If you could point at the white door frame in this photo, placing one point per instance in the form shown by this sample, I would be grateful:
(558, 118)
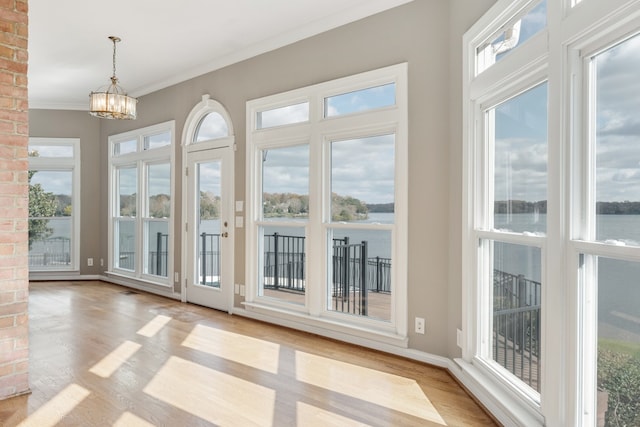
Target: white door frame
(190, 129)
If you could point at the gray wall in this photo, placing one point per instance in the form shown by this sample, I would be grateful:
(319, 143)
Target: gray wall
(422, 33)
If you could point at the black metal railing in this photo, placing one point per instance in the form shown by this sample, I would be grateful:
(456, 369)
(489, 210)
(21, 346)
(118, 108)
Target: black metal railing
(209, 259)
(516, 325)
(349, 293)
(354, 273)
(157, 259)
(55, 251)
(284, 262)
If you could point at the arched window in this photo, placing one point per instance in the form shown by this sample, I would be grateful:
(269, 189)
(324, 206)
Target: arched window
(208, 121)
(211, 126)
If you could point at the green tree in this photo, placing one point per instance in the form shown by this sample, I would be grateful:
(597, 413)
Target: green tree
(42, 204)
(209, 205)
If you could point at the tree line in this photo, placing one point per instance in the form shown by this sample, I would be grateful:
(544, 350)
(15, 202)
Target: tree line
(602, 208)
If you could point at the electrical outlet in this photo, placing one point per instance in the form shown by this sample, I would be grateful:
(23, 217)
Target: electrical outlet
(419, 325)
(241, 290)
(459, 337)
(236, 288)
(90, 262)
(101, 262)
(176, 277)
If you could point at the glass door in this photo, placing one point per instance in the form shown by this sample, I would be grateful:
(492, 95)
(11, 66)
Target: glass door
(209, 230)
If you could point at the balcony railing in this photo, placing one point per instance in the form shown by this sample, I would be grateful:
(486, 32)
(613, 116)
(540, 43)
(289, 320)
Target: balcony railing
(516, 326)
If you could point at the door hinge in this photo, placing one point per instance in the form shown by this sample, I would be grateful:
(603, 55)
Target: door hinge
(186, 171)
(186, 227)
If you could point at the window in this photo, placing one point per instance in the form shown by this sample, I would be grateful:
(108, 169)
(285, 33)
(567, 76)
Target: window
(510, 237)
(328, 178)
(550, 248)
(527, 23)
(285, 214)
(287, 115)
(612, 257)
(141, 203)
(53, 204)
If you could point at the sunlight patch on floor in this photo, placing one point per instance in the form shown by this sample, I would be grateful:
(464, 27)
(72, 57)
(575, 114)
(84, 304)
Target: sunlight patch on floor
(309, 415)
(253, 352)
(129, 420)
(387, 390)
(52, 412)
(154, 326)
(216, 397)
(112, 361)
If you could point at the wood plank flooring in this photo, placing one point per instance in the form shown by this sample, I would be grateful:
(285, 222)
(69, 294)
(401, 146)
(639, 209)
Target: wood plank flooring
(104, 355)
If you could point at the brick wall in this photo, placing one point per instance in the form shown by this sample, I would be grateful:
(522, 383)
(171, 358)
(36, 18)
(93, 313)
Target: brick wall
(14, 204)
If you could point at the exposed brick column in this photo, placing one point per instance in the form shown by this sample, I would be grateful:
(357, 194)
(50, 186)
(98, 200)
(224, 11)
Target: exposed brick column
(14, 204)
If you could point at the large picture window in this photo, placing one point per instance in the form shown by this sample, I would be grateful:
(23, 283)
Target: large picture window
(551, 211)
(328, 178)
(141, 203)
(53, 204)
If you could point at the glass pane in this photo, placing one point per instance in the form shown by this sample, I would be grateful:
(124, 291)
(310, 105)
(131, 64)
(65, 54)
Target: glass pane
(127, 198)
(50, 193)
(125, 147)
(360, 273)
(618, 392)
(157, 245)
(212, 126)
(360, 100)
(363, 179)
(285, 183)
(516, 298)
(520, 164)
(617, 171)
(49, 243)
(209, 188)
(288, 115)
(125, 250)
(159, 190)
(157, 141)
(49, 151)
(283, 264)
(511, 36)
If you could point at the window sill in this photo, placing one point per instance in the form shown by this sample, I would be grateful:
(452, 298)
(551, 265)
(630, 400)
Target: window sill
(508, 407)
(330, 328)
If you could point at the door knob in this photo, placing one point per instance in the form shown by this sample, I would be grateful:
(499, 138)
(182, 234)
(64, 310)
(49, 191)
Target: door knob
(225, 234)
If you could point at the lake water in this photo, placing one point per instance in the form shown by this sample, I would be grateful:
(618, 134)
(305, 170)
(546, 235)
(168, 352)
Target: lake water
(618, 281)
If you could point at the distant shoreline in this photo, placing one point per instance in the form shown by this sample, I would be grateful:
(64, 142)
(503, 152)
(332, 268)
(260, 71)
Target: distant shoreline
(602, 208)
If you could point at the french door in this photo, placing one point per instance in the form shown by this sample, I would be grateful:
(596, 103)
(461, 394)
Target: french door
(209, 228)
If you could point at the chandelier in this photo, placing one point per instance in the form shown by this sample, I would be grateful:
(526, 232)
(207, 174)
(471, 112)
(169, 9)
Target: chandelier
(111, 101)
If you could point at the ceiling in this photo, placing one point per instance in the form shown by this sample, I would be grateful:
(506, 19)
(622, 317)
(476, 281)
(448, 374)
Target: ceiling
(163, 42)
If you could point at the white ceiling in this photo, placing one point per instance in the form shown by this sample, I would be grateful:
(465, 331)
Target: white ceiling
(163, 41)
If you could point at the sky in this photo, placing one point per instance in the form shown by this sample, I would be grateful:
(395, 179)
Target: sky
(521, 125)
(362, 167)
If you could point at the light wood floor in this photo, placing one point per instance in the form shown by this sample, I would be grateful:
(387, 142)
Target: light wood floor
(103, 355)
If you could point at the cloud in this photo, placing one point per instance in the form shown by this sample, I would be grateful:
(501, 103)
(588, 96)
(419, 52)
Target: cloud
(617, 122)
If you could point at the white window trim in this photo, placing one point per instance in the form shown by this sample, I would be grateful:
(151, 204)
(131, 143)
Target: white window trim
(195, 116)
(568, 314)
(139, 159)
(54, 163)
(321, 131)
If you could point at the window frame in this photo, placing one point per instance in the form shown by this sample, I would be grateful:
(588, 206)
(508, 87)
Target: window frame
(318, 133)
(569, 320)
(140, 160)
(62, 164)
